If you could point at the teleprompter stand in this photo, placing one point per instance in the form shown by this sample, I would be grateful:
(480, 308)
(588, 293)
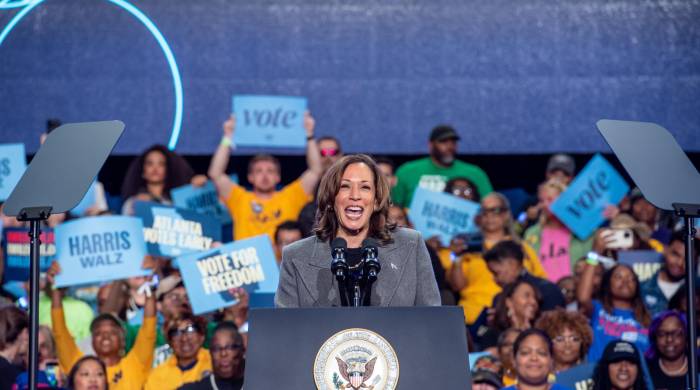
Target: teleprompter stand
(668, 180)
(55, 181)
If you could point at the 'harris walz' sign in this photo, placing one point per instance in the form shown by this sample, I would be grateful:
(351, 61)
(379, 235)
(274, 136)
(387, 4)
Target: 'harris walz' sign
(98, 249)
(209, 276)
(16, 248)
(441, 214)
(174, 232)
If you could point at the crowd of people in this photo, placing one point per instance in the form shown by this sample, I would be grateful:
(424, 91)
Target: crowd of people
(538, 301)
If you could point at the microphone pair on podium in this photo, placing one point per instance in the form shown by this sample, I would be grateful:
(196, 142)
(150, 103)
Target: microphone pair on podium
(369, 269)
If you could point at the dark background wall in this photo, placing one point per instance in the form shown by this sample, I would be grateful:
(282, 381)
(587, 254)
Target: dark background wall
(514, 76)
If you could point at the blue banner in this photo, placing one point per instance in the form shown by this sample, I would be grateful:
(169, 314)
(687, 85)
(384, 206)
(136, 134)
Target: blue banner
(269, 121)
(12, 165)
(577, 377)
(442, 214)
(15, 245)
(99, 249)
(172, 232)
(209, 276)
(645, 263)
(581, 206)
(203, 200)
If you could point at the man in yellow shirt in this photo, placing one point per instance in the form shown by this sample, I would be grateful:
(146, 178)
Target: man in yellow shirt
(261, 210)
(123, 372)
(190, 362)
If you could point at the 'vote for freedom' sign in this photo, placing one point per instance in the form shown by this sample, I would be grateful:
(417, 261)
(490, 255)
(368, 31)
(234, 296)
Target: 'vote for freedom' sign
(173, 232)
(16, 248)
(98, 249)
(12, 165)
(276, 121)
(209, 276)
(581, 206)
(203, 200)
(441, 214)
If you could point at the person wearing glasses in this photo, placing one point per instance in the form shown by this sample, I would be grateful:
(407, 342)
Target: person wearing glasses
(571, 336)
(667, 356)
(260, 211)
(472, 279)
(190, 361)
(227, 356)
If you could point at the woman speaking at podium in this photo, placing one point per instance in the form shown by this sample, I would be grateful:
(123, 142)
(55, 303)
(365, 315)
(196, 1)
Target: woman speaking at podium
(353, 204)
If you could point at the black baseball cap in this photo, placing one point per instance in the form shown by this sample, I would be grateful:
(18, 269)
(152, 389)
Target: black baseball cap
(619, 350)
(444, 132)
(481, 375)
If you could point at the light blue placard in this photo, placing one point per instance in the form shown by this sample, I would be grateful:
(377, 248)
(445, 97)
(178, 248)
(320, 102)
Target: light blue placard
(203, 200)
(208, 276)
(99, 249)
(441, 214)
(581, 206)
(269, 121)
(87, 201)
(12, 165)
(172, 232)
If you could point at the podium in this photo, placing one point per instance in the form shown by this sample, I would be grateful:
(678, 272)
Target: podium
(355, 348)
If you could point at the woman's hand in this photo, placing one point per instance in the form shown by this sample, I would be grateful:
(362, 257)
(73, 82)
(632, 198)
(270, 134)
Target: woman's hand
(199, 180)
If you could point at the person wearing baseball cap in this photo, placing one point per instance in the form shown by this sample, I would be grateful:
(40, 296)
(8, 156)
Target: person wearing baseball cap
(561, 167)
(619, 368)
(434, 171)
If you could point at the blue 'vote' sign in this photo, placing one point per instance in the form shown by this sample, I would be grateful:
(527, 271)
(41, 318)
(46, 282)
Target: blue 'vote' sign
(98, 249)
(12, 165)
(269, 121)
(209, 276)
(581, 206)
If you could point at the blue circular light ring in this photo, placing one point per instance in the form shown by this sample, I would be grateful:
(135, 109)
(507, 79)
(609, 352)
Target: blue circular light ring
(177, 81)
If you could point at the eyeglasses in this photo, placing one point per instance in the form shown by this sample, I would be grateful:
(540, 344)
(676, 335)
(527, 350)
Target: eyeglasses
(330, 152)
(229, 347)
(674, 334)
(493, 211)
(570, 338)
(176, 332)
(466, 192)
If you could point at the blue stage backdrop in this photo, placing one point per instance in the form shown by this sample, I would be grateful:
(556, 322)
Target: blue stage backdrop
(514, 76)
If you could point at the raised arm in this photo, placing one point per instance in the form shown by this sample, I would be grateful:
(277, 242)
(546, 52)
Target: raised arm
(219, 162)
(66, 348)
(584, 291)
(314, 169)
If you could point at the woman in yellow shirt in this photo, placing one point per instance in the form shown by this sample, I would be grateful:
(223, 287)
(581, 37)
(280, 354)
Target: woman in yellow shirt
(472, 279)
(123, 371)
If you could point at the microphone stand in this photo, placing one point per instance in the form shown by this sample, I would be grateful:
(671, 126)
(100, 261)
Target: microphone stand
(339, 268)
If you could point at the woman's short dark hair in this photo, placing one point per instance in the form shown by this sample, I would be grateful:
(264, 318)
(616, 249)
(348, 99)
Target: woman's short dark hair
(177, 172)
(327, 223)
(79, 363)
(12, 322)
(501, 320)
(532, 332)
(198, 322)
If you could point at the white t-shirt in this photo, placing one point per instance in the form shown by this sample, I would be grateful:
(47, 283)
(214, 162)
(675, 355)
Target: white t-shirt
(669, 288)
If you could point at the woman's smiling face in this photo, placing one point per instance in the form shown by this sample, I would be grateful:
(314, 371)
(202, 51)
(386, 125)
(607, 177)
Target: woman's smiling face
(356, 199)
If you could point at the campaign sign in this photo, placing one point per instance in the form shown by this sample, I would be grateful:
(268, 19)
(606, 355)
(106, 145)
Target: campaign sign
(581, 206)
(577, 377)
(209, 276)
(88, 201)
(16, 248)
(441, 214)
(203, 200)
(645, 263)
(12, 165)
(270, 121)
(172, 232)
(99, 249)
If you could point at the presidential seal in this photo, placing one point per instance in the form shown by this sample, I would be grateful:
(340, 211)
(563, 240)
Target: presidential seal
(356, 359)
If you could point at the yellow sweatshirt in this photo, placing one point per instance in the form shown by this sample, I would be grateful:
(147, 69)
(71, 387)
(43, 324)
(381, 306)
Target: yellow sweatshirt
(168, 375)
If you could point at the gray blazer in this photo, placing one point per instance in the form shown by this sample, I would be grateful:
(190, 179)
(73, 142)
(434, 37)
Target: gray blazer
(406, 278)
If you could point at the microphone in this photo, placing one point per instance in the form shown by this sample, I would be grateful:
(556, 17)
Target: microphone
(369, 256)
(339, 267)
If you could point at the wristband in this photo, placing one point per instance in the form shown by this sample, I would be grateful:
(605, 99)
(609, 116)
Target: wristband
(454, 257)
(592, 259)
(309, 138)
(226, 141)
